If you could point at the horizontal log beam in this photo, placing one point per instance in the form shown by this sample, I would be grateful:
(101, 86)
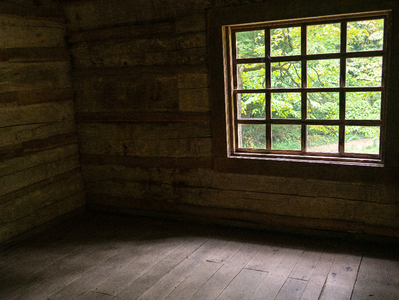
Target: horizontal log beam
(34, 54)
(121, 32)
(32, 12)
(315, 170)
(14, 182)
(40, 113)
(29, 97)
(25, 148)
(16, 135)
(34, 75)
(277, 204)
(38, 199)
(128, 93)
(208, 178)
(24, 191)
(128, 204)
(124, 71)
(106, 117)
(253, 220)
(30, 160)
(205, 199)
(51, 142)
(43, 216)
(147, 162)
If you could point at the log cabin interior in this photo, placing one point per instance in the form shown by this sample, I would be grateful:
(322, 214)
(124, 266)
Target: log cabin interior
(121, 176)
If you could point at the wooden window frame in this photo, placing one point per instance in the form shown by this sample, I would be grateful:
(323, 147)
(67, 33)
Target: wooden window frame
(304, 58)
(225, 157)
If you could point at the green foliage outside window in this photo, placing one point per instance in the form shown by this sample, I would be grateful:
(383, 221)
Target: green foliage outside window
(321, 39)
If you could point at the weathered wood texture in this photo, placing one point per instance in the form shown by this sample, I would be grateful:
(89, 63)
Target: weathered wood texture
(47, 10)
(34, 96)
(271, 201)
(40, 177)
(100, 256)
(147, 139)
(141, 76)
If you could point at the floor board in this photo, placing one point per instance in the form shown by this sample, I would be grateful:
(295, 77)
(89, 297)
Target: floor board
(341, 278)
(319, 276)
(286, 259)
(243, 285)
(102, 256)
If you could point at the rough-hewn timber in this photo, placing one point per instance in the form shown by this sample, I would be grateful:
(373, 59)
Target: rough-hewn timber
(40, 177)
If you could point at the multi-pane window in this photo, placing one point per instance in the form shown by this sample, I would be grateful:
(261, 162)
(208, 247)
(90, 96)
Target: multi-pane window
(309, 88)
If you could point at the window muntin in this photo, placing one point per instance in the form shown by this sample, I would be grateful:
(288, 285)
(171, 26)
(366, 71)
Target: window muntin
(309, 89)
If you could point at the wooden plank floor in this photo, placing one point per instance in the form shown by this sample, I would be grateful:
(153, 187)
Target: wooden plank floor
(101, 256)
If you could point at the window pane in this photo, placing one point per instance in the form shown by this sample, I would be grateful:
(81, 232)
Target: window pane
(322, 138)
(250, 44)
(363, 106)
(286, 137)
(323, 73)
(286, 74)
(285, 41)
(251, 76)
(251, 105)
(364, 71)
(252, 136)
(365, 35)
(286, 105)
(362, 139)
(323, 106)
(325, 38)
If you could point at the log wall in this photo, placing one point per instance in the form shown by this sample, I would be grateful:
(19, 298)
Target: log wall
(141, 76)
(40, 176)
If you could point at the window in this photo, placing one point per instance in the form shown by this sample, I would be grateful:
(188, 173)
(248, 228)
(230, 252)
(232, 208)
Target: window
(308, 89)
(321, 111)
